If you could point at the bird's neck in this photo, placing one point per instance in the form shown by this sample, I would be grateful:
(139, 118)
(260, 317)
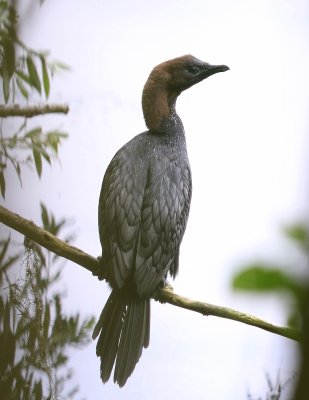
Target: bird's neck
(159, 107)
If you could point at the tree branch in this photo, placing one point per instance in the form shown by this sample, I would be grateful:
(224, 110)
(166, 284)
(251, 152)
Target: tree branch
(15, 110)
(166, 295)
(47, 240)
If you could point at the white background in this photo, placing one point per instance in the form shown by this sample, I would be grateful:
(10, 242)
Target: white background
(247, 137)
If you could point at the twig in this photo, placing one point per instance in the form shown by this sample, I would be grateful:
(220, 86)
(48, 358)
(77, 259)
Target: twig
(57, 246)
(168, 296)
(16, 110)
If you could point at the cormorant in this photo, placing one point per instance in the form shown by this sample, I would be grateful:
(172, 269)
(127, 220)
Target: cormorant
(143, 211)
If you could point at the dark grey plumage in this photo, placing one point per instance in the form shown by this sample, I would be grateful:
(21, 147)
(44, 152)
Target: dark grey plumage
(143, 211)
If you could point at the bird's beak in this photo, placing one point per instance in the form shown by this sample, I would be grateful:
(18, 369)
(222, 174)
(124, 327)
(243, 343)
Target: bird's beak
(213, 69)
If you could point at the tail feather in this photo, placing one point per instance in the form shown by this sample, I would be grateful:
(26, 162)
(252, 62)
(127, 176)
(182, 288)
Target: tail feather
(146, 328)
(110, 325)
(129, 349)
(125, 328)
(110, 344)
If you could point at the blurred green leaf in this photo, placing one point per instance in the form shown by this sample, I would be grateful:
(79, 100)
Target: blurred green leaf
(8, 347)
(23, 77)
(46, 156)
(38, 392)
(33, 74)
(294, 319)
(46, 323)
(299, 233)
(34, 133)
(18, 171)
(54, 138)
(261, 278)
(8, 53)
(38, 161)
(4, 244)
(6, 83)
(45, 76)
(22, 88)
(56, 66)
(44, 216)
(2, 184)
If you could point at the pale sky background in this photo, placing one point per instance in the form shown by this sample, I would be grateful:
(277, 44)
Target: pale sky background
(247, 137)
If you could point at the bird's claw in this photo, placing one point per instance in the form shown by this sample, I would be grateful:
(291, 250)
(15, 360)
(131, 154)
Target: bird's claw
(168, 286)
(99, 271)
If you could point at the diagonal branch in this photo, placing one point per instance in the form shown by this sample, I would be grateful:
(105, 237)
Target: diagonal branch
(52, 243)
(16, 110)
(168, 296)
(48, 240)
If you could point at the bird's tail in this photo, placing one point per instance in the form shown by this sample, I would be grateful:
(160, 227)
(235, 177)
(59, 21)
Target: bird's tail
(125, 326)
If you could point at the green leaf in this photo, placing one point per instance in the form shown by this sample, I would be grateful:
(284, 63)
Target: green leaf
(8, 340)
(53, 141)
(46, 322)
(295, 319)
(62, 135)
(2, 184)
(33, 74)
(263, 278)
(45, 76)
(44, 216)
(4, 244)
(57, 65)
(38, 391)
(24, 77)
(12, 142)
(22, 88)
(18, 171)
(299, 233)
(54, 138)
(6, 83)
(9, 54)
(38, 161)
(34, 133)
(46, 156)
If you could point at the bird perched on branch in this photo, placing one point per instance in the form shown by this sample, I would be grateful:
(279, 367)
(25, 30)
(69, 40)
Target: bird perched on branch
(143, 211)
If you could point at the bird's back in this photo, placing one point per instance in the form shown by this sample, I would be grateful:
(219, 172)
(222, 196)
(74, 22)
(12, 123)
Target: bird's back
(143, 210)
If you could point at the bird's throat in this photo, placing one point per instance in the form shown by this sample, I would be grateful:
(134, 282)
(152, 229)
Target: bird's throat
(158, 106)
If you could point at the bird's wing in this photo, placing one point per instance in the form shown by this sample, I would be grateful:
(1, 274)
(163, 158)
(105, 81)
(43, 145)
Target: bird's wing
(164, 216)
(143, 211)
(120, 206)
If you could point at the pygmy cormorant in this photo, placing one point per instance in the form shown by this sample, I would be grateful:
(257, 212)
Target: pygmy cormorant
(143, 211)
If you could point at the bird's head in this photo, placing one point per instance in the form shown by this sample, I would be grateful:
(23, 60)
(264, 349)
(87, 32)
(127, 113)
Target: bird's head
(165, 83)
(183, 72)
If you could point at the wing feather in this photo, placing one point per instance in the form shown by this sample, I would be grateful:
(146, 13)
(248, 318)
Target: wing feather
(163, 220)
(143, 210)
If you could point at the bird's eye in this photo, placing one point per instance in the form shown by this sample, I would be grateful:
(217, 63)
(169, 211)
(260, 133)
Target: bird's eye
(193, 69)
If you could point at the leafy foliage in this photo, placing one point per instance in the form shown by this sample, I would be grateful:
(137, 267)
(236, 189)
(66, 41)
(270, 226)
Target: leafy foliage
(24, 71)
(35, 334)
(271, 277)
(34, 144)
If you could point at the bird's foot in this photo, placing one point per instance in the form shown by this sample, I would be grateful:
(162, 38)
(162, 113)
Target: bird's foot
(99, 271)
(163, 285)
(168, 286)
